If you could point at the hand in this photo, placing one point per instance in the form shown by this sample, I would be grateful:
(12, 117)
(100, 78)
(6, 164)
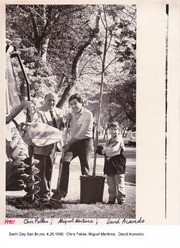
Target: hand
(103, 152)
(95, 143)
(66, 147)
(100, 150)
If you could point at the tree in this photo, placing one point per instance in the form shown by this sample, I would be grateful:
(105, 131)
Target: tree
(62, 47)
(59, 34)
(118, 36)
(37, 24)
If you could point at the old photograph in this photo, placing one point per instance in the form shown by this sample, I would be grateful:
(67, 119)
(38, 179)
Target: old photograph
(71, 111)
(89, 121)
(89, 127)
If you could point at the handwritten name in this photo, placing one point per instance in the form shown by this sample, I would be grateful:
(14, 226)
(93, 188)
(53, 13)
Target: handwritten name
(60, 221)
(125, 221)
(36, 221)
(75, 220)
(78, 221)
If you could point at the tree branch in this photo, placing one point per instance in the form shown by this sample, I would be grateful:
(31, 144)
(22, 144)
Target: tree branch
(89, 73)
(111, 62)
(36, 35)
(109, 43)
(25, 33)
(72, 11)
(80, 73)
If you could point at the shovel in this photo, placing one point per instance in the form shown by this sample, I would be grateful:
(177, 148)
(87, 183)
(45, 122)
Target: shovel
(57, 194)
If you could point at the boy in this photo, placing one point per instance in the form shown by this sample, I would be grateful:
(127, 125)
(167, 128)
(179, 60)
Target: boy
(115, 164)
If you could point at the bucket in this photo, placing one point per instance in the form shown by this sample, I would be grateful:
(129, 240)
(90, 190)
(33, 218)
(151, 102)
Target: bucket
(92, 188)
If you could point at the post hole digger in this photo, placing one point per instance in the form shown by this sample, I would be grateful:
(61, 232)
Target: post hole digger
(23, 132)
(33, 134)
(20, 165)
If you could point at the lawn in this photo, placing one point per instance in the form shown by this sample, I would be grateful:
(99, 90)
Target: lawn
(71, 206)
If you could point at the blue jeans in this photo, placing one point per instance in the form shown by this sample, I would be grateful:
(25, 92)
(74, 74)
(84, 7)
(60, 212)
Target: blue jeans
(81, 149)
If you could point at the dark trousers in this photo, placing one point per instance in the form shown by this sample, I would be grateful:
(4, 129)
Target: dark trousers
(43, 187)
(48, 172)
(82, 149)
(45, 173)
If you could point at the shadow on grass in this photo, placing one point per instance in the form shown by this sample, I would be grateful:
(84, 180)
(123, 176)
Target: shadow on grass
(130, 176)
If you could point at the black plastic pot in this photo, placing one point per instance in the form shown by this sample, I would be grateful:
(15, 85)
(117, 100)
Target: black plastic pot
(92, 188)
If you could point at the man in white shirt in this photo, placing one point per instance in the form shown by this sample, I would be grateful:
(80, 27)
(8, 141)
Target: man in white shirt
(52, 116)
(80, 144)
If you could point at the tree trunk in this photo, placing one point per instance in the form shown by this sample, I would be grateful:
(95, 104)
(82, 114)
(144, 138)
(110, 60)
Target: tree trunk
(64, 96)
(41, 40)
(44, 48)
(75, 61)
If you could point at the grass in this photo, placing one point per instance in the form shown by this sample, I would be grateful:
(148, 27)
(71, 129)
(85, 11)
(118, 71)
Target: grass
(74, 209)
(71, 206)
